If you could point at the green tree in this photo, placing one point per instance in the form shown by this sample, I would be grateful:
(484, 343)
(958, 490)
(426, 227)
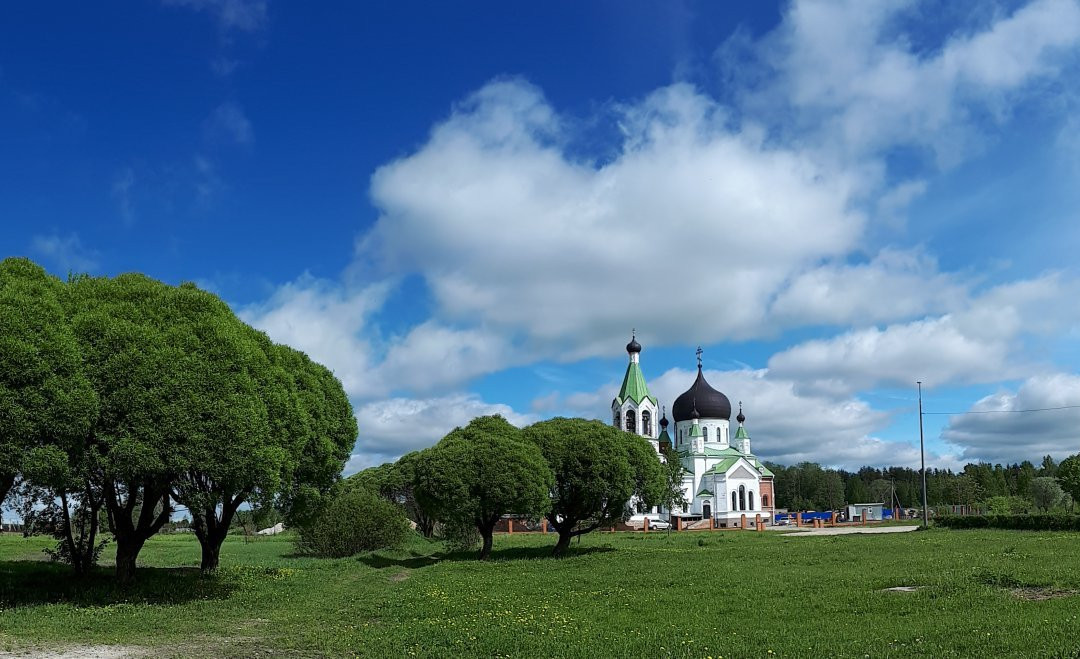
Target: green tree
(249, 430)
(1048, 466)
(332, 432)
(598, 469)
(45, 398)
(481, 472)
(1068, 473)
(831, 495)
(856, 491)
(394, 482)
(672, 495)
(1047, 493)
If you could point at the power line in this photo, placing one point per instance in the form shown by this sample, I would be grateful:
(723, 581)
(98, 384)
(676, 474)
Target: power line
(1034, 409)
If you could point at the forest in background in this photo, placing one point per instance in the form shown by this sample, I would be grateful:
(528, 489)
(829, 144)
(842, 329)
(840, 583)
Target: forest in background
(1015, 488)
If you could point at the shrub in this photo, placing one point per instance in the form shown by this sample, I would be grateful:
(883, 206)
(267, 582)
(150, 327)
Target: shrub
(459, 535)
(351, 523)
(1013, 522)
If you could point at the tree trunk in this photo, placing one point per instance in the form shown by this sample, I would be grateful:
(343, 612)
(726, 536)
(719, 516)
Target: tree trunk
(7, 481)
(211, 553)
(485, 549)
(565, 536)
(130, 535)
(127, 550)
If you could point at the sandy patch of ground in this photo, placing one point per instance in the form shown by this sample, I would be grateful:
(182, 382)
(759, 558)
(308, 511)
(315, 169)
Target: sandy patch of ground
(81, 652)
(849, 530)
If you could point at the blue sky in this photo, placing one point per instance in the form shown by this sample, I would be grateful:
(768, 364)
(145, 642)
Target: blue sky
(463, 208)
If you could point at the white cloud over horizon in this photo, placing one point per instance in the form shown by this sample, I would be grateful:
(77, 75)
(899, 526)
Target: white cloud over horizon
(714, 221)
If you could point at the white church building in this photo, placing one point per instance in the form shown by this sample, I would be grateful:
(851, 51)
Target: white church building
(722, 479)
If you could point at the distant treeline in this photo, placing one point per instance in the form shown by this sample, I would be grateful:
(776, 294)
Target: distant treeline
(808, 486)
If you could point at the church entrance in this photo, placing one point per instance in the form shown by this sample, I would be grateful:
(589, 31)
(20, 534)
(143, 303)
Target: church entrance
(706, 510)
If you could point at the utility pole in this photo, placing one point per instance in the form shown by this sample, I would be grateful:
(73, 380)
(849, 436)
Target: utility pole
(922, 458)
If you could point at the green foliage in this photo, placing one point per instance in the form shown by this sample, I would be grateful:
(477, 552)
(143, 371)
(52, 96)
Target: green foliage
(459, 536)
(1047, 493)
(127, 395)
(1068, 474)
(45, 398)
(672, 496)
(353, 522)
(1037, 522)
(598, 469)
(330, 436)
(481, 472)
(1002, 505)
(394, 482)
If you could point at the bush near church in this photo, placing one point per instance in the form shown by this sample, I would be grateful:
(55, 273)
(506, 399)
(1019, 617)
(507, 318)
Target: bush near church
(353, 522)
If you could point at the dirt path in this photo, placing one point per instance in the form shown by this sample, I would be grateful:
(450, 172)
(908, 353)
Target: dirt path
(848, 530)
(85, 652)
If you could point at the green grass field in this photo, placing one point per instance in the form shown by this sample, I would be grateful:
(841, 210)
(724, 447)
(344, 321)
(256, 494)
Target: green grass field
(731, 594)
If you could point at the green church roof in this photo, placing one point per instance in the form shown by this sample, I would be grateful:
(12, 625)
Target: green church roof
(741, 433)
(705, 493)
(722, 466)
(634, 387)
(695, 431)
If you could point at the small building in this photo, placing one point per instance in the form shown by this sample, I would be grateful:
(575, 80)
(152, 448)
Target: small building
(873, 512)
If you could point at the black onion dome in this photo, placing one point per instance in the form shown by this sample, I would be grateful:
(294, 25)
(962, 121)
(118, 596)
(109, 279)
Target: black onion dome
(741, 417)
(708, 402)
(633, 346)
(664, 421)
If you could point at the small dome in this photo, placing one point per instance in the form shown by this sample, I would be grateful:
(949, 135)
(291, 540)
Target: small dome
(663, 420)
(633, 346)
(702, 398)
(741, 417)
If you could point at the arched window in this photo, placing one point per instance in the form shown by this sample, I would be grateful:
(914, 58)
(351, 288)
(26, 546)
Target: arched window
(618, 419)
(742, 497)
(646, 423)
(764, 500)
(734, 501)
(751, 499)
(706, 510)
(705, 433)
(631, 421)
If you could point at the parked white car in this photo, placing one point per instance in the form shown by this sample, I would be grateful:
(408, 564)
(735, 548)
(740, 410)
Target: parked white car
(655, 522)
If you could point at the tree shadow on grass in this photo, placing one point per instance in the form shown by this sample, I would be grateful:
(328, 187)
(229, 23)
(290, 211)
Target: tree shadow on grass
(31, 583)
(380, 560)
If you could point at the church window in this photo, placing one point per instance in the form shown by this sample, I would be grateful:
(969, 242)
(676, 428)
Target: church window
(742, 497)
(617, 419)
(705, 433)
(764, 500)
(646, 423)
(751, 495)
(631, 421)
(734, 501)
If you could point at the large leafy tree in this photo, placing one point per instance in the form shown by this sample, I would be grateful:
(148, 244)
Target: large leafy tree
(140, 354)
(329, 436)
(481, 472)
(45, 399)
(598, 469)
(250, 428)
